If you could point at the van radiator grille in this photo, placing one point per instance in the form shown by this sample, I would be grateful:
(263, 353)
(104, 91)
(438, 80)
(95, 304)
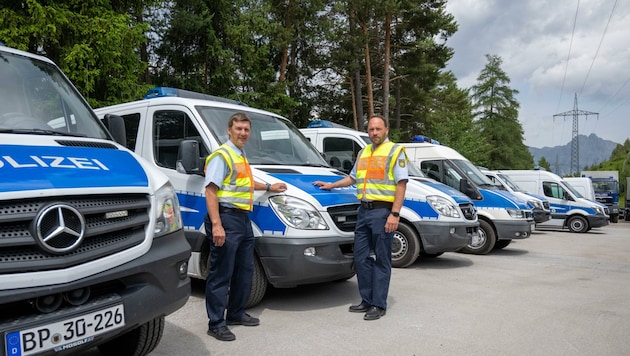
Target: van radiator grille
(345, 216)
(105, 234)
(469, 211)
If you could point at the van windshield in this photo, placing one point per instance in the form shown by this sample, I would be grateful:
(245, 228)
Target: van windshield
(36, 98)
(473, 173)
(272, 141)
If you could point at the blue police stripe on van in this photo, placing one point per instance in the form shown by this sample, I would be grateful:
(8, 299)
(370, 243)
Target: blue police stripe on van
(326, 198)
(458, 196)
(25, 168)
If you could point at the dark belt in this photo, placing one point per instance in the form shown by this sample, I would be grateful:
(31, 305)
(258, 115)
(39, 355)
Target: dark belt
(224, 209)
(376, 205)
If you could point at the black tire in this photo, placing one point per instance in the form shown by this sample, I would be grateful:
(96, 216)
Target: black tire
(259, 285)
(485, 241)
(137, 342)
(405, 246)
(430, 255)
(578, 224)
(626, 216)
(614, 218)
(501, 244)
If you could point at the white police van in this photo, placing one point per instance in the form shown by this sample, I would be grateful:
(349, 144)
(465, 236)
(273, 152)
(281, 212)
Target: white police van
(502, 216)
(568, 208)
(92, 249)
(435, 218)
(304, 235)
(538, 203)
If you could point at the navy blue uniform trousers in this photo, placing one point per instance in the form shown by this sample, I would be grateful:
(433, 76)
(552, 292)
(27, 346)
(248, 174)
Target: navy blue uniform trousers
(231, 269)
(373, 270)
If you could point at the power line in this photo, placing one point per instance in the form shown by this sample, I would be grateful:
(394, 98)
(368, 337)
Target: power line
(566, 67)
(598, 47)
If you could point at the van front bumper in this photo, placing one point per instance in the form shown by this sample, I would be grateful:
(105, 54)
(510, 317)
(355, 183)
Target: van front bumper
(513, 229)
(289, 262)
(597, 220)
(440, 237)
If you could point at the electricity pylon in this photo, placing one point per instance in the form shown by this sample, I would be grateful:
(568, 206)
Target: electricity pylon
(575, 145)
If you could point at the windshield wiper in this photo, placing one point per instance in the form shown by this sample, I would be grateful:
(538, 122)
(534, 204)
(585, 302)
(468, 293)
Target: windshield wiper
(41, 132)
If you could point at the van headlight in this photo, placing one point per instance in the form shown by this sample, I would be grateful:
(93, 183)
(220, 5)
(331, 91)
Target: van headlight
(297, 213)
(537, 204)
(443, 206)
(517, 213)
(167, 215)
(599, 209)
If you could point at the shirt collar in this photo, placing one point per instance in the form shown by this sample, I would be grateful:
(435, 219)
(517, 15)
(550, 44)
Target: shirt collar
(236, 149)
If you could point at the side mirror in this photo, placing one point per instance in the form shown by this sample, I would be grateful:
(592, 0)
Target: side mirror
(188, 160)
(468, 189)
(116, 126)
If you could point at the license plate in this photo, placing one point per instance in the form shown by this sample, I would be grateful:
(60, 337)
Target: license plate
(64, 334)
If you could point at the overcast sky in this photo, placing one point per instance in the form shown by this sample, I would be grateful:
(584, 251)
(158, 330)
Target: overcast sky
(550, 55)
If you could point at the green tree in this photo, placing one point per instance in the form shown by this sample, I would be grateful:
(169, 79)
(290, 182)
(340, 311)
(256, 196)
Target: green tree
(94, 43)
(543, 163)
(496, 109)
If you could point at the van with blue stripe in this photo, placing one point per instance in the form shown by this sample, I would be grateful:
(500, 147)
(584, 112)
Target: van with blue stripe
(434, 219)
(92, 246)
(569, 210)
(503, 217)
(303, 236)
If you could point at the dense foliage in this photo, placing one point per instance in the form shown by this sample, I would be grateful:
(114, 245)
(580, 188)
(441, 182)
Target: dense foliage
(305, 59)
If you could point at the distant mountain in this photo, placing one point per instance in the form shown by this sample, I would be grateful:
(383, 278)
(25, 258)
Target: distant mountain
(593, 150)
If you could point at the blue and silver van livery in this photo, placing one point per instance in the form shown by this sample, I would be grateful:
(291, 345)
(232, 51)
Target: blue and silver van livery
(569, 210)
(538, 204)
(434, 219)
(303, 235)
(502, 216)
(92, 246)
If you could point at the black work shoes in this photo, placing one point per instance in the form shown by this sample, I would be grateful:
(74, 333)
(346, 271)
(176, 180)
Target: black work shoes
(222, 334)
(246, 320)
(359, 308)
(374, 313)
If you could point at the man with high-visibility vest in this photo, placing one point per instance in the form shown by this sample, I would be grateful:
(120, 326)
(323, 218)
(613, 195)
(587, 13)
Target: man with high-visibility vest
(380, 174)
(229, 196)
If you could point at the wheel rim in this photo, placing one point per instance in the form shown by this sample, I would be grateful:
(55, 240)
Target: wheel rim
(399, 246)
(478, 240)
(577, 225)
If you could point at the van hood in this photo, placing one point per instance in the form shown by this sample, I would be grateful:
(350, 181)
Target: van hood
(500, 198)
(37, 167)
(326, 198)
(459, 197)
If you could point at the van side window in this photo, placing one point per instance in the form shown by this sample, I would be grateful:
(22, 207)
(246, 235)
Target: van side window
(170, 128)
(132, 122)
(432, 169)
(341, 153)
(553, 190)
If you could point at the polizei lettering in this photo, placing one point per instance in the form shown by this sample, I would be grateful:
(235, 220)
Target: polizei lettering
(52, 162)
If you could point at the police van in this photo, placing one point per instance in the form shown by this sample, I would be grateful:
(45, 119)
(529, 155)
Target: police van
(503, 217)
(569, 210)
(92, 246)
(538, 203)
(304, 235)
(435, 218)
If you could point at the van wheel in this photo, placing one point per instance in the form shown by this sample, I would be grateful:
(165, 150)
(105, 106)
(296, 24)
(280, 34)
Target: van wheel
(137, 342)
(578, 224)
(430, 255)
(405, 246)
(483, 242)
(501, 244)
(614, 218)
(259, 285)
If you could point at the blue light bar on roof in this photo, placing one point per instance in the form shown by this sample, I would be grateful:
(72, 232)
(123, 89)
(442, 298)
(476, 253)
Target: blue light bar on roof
(319, 123)
(159, 92)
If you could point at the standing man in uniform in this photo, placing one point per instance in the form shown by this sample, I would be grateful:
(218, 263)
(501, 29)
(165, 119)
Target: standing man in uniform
(380, 174)
(229, 196)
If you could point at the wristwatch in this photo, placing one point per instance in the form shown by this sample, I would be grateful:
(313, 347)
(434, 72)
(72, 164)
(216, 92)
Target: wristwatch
(395, 213)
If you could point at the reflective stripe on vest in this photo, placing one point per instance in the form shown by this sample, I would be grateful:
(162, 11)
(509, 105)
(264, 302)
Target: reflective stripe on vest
(375, 172)
(238, 186)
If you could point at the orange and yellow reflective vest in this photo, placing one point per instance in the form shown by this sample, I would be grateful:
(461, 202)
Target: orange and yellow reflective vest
(238, 186)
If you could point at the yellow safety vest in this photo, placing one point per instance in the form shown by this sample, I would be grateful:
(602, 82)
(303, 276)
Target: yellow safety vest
(375, 172)
(238, 186)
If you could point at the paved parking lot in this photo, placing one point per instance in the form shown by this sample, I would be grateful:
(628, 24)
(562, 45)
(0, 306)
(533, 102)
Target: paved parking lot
(556, 293)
